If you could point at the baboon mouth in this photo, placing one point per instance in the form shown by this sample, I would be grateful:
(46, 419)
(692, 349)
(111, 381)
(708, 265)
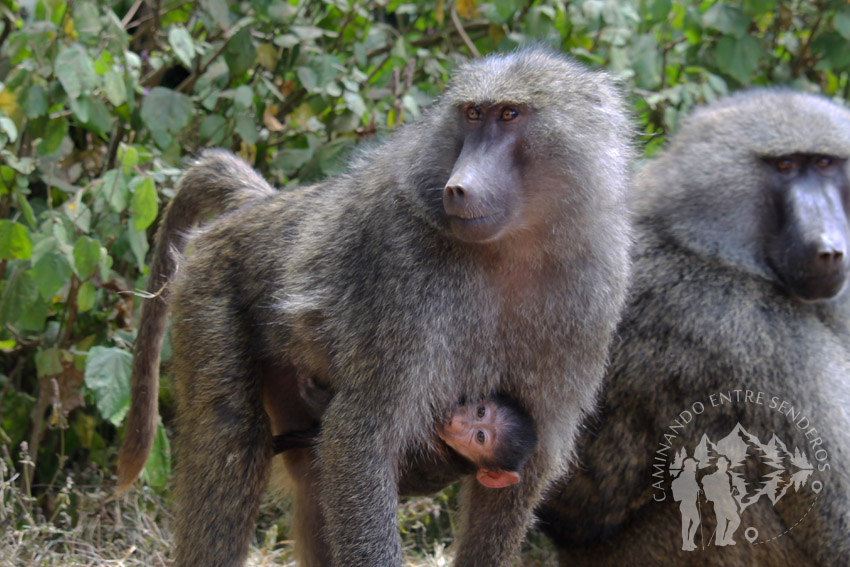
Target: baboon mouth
(477, 216)
(818, 287)
(477, 227)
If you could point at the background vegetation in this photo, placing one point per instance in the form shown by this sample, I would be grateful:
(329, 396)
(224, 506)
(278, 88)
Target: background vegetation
(100, 102)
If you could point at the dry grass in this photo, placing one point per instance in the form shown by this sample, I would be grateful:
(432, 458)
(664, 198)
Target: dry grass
(79, 525)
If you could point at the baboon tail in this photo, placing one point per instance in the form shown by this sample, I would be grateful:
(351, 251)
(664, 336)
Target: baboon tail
(216, 183)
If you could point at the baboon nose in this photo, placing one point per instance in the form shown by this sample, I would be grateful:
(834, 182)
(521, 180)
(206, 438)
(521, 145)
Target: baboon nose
(454, 192)
(454, 200)
(831, 257)
(830, 251)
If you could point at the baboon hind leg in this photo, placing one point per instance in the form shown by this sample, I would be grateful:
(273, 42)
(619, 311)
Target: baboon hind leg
(307, 518)
(223, 445)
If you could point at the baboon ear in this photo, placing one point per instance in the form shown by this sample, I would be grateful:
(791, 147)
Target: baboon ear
(497, 479)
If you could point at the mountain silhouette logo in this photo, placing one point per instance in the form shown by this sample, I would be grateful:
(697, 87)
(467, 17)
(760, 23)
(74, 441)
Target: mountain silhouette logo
(713, 473)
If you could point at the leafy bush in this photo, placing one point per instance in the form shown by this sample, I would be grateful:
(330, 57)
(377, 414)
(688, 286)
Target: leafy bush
(100, 101)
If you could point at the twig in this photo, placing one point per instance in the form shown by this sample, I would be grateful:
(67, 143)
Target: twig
(802, 56)
(462, 33)
(112, 151)
(8, 25)
(130, 13)
(189, 82)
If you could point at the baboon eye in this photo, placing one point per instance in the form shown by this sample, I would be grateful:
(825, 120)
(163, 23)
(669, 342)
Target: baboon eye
(786, 165)
(480, 437)
(509, 114)
(473, 113)
(823, 162)
(481, 411)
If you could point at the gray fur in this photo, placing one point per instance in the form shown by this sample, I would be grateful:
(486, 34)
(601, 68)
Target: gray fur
(356, 281)
(708, 313)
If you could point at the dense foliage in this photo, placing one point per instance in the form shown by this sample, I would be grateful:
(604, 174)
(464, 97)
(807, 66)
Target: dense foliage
(101, 101)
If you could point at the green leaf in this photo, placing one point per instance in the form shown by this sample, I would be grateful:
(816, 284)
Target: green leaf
(243, 98)
(86, 296)
(307, 33)
(92, 114)
(281, 12)
(325, 69)
(26, 209)
(308, 79)
(157, 469)
(727, 19)
(290, 160)
(35, 102)
(79, 213)
(166, 112)
(7, 125)
(129, 157)
(48, 362)
(833, 49)
(75, 70)
(19, 292)
(246, 129)
(86, 256)
(143, 205)
(692, 26)
(24, 165)
(7, 179)
(842, 23)
(182, 44)
(80, 109)
(739, 57)
(54, 135)
(219, 12)
(286, 40)
(240, 53)
(51, 273)
(647, 65)
(213, 129)
(15, 241)
(661, 9)
(104, 264)
(114, 87)
(87, 20)
(355, 103)
(115, 190)
(34, 316)
(267, 56)
(138, 240)
(108, 377)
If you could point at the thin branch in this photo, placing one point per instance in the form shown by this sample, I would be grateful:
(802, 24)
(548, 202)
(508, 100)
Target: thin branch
(130, 13)
(462, 33)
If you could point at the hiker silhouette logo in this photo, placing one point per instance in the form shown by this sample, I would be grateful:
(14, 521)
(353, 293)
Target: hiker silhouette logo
(715, 475)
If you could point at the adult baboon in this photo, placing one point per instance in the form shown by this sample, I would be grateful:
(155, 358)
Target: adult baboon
(734, 350)
(482, 248)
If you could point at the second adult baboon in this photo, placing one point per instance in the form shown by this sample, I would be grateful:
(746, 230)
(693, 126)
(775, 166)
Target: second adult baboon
(483, 248)
(729, 376)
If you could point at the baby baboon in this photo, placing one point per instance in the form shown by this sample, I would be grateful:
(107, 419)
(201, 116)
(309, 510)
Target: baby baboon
(494, 436)
(733, 355)
(483, 248)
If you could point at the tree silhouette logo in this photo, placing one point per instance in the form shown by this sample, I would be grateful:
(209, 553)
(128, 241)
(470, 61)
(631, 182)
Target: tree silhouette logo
(709, 478)
(721, 480)
(723, 485)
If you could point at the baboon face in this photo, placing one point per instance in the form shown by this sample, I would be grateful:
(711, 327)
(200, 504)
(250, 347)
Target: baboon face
(808, 230)
(484, 190)
(474, 430)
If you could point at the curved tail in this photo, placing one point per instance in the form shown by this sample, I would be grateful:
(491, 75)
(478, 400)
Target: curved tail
(216, 183)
